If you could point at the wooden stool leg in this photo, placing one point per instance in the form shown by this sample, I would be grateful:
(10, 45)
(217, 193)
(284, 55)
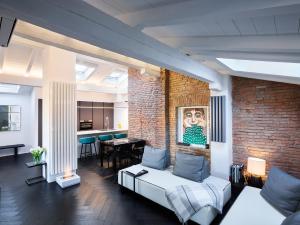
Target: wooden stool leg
(108, 158)
(81, 150)
(95, 150)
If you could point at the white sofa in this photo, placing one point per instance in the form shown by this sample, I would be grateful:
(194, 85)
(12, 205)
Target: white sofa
(252, 209)
(153, 185)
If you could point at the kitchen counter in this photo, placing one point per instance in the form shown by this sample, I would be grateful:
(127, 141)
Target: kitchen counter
(95, 133)
(98, 132)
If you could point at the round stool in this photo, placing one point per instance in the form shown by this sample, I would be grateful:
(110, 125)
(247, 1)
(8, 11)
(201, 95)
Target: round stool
(87, 141)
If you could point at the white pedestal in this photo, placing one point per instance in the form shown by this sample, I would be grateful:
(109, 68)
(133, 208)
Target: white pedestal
(65, 182)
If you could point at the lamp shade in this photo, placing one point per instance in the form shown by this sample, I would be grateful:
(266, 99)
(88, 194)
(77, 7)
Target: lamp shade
(256, 166)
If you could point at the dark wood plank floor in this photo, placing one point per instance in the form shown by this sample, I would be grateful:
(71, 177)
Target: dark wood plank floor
(96, 201)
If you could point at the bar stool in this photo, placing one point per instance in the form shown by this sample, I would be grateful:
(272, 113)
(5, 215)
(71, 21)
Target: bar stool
(106, 151)
(87, 141)
(119, 136)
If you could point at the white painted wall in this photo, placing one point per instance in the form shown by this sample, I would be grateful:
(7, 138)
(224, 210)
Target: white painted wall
(221, 153)
(92, 96)
(25, 135)
(121, 115)
(34, 116)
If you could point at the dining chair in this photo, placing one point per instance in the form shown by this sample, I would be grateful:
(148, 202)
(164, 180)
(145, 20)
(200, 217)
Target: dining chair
(137, 152)
(121, 135)
(107, 150)
(124, 154)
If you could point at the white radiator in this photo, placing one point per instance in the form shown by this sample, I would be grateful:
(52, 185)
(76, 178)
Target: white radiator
(62, 139)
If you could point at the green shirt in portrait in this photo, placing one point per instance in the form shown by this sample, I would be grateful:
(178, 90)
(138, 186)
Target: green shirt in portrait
(194, 135)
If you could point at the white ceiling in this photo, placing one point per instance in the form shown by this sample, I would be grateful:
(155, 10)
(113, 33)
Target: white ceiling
(23, 58)
(182, 35)
(265, 30)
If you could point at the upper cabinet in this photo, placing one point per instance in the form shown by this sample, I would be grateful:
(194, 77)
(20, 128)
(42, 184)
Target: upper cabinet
(98, 115)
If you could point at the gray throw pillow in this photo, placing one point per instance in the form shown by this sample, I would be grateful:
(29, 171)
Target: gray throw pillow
(206, 169)
(282, 191)
(189, 166)
(293, 219)
(154, 158)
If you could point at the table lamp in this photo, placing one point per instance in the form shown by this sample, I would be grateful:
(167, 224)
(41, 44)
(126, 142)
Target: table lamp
(256, 168)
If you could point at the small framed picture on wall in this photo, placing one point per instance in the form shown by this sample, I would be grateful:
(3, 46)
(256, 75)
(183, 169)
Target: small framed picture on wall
(192, 126)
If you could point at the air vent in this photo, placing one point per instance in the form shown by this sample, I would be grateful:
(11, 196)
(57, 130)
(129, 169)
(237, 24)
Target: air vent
(7, 26)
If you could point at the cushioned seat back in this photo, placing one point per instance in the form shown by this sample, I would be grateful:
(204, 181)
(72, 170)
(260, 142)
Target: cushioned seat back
(87, 140)
(154, 158)
(118, 136)
(282, 191)
(192, 167)
(106, 137)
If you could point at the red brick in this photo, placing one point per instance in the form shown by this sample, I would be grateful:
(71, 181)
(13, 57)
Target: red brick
(266, 122)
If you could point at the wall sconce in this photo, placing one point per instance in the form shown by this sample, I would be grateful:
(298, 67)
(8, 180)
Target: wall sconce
(256, 168)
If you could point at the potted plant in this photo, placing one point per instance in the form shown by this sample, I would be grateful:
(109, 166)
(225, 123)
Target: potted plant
(37, 154)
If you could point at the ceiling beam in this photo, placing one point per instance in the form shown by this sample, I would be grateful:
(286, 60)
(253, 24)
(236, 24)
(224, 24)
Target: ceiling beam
(267, 43)
(261, 56)
(31, 59)
(13, 79)
(37, 39)
(197, 11)
(81, 21)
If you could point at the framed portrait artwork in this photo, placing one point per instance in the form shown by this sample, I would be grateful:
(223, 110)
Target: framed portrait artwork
(192, 126)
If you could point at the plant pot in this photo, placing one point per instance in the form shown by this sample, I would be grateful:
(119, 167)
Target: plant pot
(37, 159)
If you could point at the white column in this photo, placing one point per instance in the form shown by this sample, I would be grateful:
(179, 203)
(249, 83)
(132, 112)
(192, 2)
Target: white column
(59, 112)
(221, 153)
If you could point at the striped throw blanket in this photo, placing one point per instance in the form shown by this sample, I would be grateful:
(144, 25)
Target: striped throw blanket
(188, 200)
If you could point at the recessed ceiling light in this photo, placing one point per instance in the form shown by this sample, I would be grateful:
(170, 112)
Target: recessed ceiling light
(263, 67)
(9, 88)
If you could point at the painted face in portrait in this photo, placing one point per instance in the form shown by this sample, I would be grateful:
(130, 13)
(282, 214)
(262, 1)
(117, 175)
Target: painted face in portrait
(194, 117)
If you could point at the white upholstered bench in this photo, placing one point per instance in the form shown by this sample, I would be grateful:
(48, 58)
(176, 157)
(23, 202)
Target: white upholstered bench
(153, 185)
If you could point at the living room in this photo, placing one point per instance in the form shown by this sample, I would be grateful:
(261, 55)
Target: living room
(207, 131)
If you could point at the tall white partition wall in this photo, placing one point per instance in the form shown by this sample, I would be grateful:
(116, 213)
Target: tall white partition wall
(221, 152)
(59, 112)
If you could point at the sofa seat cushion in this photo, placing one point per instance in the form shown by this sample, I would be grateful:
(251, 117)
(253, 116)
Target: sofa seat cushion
(251, 208)
(165, 180)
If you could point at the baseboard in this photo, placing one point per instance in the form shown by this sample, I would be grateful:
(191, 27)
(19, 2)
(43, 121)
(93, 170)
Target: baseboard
(12, 153)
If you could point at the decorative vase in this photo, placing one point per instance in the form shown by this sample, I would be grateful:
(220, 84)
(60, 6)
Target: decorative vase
(37, 154)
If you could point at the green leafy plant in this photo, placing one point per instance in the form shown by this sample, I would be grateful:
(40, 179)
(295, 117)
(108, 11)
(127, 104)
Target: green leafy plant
(37, 153)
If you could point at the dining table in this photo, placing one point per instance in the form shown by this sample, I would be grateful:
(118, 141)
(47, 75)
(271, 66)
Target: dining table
(116, 144)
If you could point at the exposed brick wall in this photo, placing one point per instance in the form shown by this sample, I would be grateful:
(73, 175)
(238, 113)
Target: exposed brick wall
(146, 108)
(152, 107)
(266, 123)
(185, 91)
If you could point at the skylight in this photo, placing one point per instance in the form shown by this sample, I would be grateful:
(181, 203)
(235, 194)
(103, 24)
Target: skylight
(9, 88)
(116, 77)
(263, 67)
(83, 71)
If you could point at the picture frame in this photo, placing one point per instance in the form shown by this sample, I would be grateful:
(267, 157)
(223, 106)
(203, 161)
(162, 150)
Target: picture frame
(192, 126)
